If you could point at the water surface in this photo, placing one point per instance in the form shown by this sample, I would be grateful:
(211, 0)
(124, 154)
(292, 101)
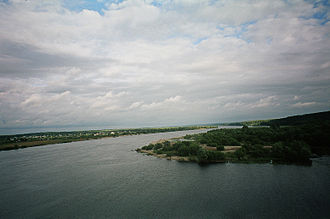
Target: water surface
(107, 178)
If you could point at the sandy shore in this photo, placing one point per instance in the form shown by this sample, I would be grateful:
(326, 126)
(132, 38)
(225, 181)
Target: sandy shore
(227, 149)
(178, 158)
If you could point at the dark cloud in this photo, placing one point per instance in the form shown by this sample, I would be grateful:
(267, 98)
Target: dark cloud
(19, 59)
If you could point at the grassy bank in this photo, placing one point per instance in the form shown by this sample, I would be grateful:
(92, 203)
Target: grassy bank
(12, 142)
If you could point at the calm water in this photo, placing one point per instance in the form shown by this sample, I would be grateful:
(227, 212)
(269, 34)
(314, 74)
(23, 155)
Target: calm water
(105, 178)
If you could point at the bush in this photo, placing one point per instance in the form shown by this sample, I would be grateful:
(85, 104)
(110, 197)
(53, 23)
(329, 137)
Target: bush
(240, 154)
(291, 151)
(255, 151)
(183, 150)
(215, 155)
(177, 145)
(148, 147)
(202, 156)
(158, 146)
(167, 146)
(170, 153)
(220, 148)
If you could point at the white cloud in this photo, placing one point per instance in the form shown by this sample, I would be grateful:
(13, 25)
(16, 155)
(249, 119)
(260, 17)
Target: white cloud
(306, 104)
(181, 62)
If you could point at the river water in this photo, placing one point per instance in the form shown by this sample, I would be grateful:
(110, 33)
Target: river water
(106, 178)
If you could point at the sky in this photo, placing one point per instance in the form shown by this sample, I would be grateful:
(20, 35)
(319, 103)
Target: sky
(146, 63)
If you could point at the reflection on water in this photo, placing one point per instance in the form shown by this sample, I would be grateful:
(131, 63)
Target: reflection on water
(107, 178)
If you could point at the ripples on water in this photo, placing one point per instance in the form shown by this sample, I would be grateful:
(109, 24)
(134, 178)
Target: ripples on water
(106, 178)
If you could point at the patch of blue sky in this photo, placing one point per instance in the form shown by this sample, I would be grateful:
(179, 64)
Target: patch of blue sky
(269, 40)
(245, 25)
(199, 40)
(212, 2)
(319, 3)
(239, 30)
(157, 4)
(321, 16)
(4, 2)
(238, 36)
(242, 27)
(219, 27)
(164, 5)
(94, 5)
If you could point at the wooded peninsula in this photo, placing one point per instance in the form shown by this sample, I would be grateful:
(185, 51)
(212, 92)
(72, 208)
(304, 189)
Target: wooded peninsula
(288, 140)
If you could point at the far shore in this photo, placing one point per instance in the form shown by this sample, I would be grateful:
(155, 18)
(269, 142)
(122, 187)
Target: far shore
(75, 136)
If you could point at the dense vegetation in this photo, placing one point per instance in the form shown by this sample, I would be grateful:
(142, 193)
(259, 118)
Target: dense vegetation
(313, 118)
(189, 149)
(295, 141)
(9, 142)
(248, 123)
(287, 144)
(305, 119)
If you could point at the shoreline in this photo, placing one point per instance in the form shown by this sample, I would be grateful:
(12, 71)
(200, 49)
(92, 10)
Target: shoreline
(183, 158)
(227, 152)
(195, 160)
(35, 143)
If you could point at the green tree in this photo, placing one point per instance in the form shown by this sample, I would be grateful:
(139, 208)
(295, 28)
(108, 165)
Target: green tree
(220, 148)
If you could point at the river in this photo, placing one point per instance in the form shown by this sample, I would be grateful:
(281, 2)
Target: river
(106, 178)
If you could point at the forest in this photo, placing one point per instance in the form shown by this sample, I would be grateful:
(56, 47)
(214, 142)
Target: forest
(279, 144)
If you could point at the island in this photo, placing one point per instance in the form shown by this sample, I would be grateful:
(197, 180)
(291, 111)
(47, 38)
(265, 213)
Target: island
(288, 140)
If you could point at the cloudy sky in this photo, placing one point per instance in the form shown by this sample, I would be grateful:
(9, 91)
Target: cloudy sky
(155, 63)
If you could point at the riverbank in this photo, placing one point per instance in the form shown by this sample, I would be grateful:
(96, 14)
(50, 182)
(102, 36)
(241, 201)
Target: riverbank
(14, 142)
(228, 149)
(227, 159)
(245, 145)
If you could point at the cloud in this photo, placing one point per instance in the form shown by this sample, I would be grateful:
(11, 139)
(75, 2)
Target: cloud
(166, 104)
(306, 104)
(139, 63)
